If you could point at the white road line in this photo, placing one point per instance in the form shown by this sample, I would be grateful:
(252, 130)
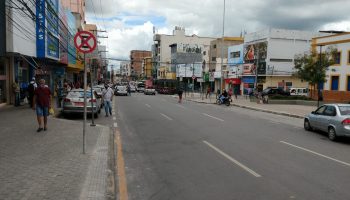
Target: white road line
(232, 160)
(313, 152)
(166, 116)
(181, 106)
(114, 118)
(213, 117)
(115, 125)
(147, 105)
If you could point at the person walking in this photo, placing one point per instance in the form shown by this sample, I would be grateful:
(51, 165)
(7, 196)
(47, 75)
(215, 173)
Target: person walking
(16, 91)
(180, 92)
(107, 95)
(208, 92)
(31, 89)
(42, 104)
(128, 89)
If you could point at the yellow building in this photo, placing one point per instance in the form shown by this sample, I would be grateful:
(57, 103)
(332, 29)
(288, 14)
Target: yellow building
(147, 67)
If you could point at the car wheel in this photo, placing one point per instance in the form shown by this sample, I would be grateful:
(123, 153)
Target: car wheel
(332, 135)
(307, 125)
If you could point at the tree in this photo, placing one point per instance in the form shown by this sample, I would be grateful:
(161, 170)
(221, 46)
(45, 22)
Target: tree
(312, 67)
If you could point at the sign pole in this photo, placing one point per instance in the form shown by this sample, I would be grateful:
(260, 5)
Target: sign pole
(85, 102)
(85, 42)
(92, 99)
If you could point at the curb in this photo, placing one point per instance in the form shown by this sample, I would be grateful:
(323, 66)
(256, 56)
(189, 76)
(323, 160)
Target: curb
(257, 109)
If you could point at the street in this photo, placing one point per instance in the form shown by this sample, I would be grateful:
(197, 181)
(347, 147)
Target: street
(201, 151)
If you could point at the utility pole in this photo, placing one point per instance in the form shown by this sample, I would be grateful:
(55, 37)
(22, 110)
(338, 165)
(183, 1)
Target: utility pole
(222, 47)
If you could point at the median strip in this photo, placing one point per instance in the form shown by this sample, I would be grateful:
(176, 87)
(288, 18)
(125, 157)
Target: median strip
(232, 160)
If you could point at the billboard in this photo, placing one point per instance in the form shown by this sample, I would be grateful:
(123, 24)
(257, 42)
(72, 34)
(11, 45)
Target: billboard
(47, 29)
(251, 52)
(188, 70)
(235, 55)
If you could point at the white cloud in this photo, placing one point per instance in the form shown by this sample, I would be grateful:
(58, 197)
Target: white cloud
(130, 22)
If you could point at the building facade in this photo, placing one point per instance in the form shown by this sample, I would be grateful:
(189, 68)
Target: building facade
(136, 60)
(268, 58)
(336, 88)
(163, 66)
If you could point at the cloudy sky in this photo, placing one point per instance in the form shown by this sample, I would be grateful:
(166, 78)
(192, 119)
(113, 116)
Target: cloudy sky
(130, 23)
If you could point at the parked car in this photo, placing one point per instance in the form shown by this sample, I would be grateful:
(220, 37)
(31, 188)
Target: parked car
(121, 90)
(299, 91)
(132, 88)
(331, 118)
(140, 87)
(150, 90)
(274, 91)
(74, 102)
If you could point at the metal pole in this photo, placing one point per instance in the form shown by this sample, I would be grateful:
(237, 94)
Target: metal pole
(84, 124)
(317, 74)
(222, 46)
(92, 99)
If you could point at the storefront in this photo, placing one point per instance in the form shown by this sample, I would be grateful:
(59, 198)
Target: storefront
(234, 84)
(3, 81)
(248, 84)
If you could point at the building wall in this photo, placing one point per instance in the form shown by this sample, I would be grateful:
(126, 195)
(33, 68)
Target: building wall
(136, 59)
(162, 51)
(21, 34)
(342, 43)
(76, 6)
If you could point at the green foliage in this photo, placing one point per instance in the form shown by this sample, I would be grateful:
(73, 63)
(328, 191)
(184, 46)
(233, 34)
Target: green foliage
(312, 67)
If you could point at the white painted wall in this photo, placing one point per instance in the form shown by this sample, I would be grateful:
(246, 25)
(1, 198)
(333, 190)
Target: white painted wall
(21, 34)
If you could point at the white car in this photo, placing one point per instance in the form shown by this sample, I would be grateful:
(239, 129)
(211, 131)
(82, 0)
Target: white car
(121, 90)
(150, 91)
(132, 88)
(140, 87)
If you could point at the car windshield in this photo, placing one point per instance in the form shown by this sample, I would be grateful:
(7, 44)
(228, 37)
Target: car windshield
(344, 110)
(141, 85)
(78, 94)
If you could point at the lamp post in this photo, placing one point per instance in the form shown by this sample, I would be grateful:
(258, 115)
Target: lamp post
(318, 75)
(222, 46)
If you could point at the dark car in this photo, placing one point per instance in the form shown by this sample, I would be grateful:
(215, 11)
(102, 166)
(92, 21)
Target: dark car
(274, 91)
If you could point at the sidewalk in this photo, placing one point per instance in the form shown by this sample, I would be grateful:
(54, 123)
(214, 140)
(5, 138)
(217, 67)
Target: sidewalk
(298, 111)
(50, 164)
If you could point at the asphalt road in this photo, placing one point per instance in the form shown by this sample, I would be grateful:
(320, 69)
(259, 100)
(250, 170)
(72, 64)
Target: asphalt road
(199, 151)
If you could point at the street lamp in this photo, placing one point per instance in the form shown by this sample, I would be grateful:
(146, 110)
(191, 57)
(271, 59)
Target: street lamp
(222, 46)
(319, 95)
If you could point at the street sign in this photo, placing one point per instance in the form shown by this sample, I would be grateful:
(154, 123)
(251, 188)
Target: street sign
(193, 77)
(85, 42)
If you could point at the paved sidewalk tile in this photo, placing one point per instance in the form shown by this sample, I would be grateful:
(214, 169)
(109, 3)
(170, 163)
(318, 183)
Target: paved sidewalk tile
(50, 164)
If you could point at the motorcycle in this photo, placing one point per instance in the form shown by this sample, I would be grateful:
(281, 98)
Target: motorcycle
(225, 100)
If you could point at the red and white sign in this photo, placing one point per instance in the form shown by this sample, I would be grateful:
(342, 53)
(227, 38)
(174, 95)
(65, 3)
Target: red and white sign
(85, 42)
(193, 77)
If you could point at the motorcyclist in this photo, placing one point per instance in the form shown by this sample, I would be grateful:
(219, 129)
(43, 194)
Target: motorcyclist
(223, 96)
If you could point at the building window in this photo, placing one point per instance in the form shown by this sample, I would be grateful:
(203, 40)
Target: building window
(213, 59)
(214, 46)
(337, 58)
(348, 83)
(335, 83)
(204, 53)
(349, 57)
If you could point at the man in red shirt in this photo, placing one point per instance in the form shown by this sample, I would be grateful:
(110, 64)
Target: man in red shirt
(42, 104)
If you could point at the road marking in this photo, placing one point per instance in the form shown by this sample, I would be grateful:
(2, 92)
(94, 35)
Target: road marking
(114, 118)
(115, 125)
(123, 190)
(313, 152)
(233, 160)
(166, 116)
(181, 106)
(213, 117)
(147, 105)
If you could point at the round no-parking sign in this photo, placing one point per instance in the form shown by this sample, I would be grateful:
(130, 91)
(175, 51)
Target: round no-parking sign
(85, 42)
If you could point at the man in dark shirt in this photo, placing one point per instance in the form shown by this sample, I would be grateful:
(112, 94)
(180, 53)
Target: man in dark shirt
(42, 104)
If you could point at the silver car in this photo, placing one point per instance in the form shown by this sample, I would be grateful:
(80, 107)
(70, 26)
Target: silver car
(74, 103)
(121, 90)
(331, 118)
